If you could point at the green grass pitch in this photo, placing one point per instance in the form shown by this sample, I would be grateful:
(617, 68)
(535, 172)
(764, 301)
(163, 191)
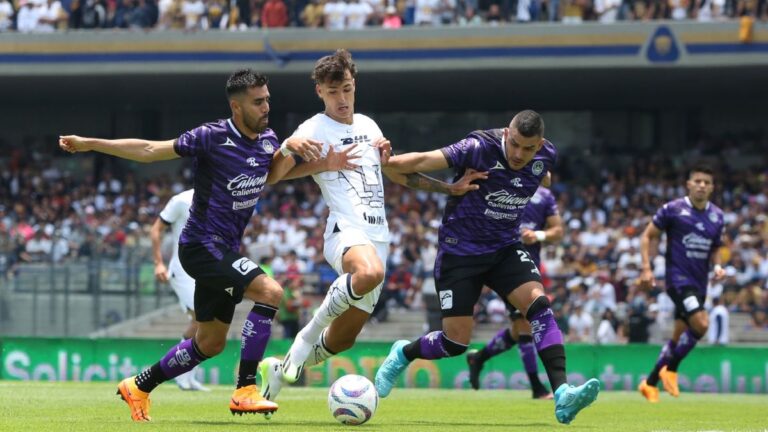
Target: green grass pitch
(45, 406)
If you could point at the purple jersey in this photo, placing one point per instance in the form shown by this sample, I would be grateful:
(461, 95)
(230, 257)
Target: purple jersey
(692, 236)
(230, 172)
(541, 206)
(488, 219)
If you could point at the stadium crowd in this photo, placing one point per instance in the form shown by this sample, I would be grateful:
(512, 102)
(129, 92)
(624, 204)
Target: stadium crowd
(52, 15)
(46, 215)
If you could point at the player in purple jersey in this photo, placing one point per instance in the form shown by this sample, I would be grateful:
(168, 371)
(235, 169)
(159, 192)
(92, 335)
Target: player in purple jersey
(232, 161)
(479, 244)
(694, 228)
(540, 223)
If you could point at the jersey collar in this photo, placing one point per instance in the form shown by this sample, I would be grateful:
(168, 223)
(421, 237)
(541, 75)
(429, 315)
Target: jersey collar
(690, 204)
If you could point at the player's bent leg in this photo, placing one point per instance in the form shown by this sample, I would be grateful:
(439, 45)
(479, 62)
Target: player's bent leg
(248, 400)
(270, 371)
(137, 400)
(498, 344)
(649, 392)
(669, 381)
(475, 366)
(390, 370)
(569, 400)
(435, 345)
(337, 301)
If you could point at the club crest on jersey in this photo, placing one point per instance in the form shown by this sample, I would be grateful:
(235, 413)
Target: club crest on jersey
(712, 217)
(268, 147)
(537, 168)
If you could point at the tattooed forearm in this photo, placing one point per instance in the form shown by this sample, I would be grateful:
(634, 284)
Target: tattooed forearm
(426, 183)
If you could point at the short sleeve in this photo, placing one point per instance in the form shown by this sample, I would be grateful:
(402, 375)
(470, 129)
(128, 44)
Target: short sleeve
(460, 154)
(170, 213)
(551, 208)
(193, 143)
(661, 218)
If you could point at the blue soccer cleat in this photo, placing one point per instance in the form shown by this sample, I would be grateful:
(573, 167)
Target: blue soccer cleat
(569, 400)
(393, 366)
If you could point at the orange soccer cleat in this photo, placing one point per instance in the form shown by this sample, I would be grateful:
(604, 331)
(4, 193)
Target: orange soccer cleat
(649, 392)
(669, 380)
(248, 400)
(137, 400)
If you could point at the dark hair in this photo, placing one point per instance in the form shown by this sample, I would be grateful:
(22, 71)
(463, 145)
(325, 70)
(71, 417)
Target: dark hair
(701, 168)
(243, 79)
(528, 123)
(331, 68)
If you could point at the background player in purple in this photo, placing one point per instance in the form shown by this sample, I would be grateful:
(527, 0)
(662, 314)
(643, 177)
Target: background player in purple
(694, 228)
(232, 160)
(479, 244)
(540, 223)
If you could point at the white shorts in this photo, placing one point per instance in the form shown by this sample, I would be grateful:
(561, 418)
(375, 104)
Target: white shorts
(183, 285)
(335, 246)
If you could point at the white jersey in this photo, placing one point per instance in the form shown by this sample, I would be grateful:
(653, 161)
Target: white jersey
(176, 213)
(355, 197)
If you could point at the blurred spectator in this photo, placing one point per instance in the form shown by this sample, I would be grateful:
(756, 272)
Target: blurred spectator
(470, 18)
(494, 17)
(312, 15)
(335, 15)
(580, 324)
(274, 14)
(27, 17)
(719, 322)
(6, 15)
(289, 310)
(357, 14)
(607, 11)
(427, 12)
(392, 20)
(609, 331)
(194, 14)
(52, 17)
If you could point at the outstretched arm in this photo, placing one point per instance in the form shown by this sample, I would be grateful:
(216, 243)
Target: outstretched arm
(426, 183)
(131, 148)
(417, 162)
(286, 168)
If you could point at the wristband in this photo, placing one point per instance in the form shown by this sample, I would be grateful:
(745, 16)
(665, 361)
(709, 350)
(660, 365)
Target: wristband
(718, 268)
(540, 235)
(285, 150)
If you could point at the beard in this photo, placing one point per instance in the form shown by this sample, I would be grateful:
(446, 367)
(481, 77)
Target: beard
(257, 125)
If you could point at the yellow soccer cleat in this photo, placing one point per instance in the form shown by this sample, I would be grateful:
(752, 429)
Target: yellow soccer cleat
(649, 392)
(669, 380)
(137, 400)
(248, 400)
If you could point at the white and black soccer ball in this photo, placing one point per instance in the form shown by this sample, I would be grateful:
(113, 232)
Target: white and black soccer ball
(352, 399)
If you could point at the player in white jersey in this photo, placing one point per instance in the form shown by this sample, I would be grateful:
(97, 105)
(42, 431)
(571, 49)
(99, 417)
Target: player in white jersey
(175, 215)
(356, 234)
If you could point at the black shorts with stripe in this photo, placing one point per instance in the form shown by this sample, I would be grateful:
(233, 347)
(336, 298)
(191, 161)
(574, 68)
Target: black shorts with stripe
(460, 279)
(221, 277)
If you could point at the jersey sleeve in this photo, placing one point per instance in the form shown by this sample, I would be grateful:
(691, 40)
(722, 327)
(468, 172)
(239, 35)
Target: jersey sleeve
(461, 154)
(170, 213)
(550, 209)
(661, 218)
(193, 143)
(309, 129)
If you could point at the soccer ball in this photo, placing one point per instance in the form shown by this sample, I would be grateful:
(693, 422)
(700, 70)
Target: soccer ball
(352, 399)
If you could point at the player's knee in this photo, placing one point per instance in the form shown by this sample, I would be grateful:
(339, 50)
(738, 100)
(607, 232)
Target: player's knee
(368, 278)
(210, 346)
(266, 291)
(453, 348)
(540, 304)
